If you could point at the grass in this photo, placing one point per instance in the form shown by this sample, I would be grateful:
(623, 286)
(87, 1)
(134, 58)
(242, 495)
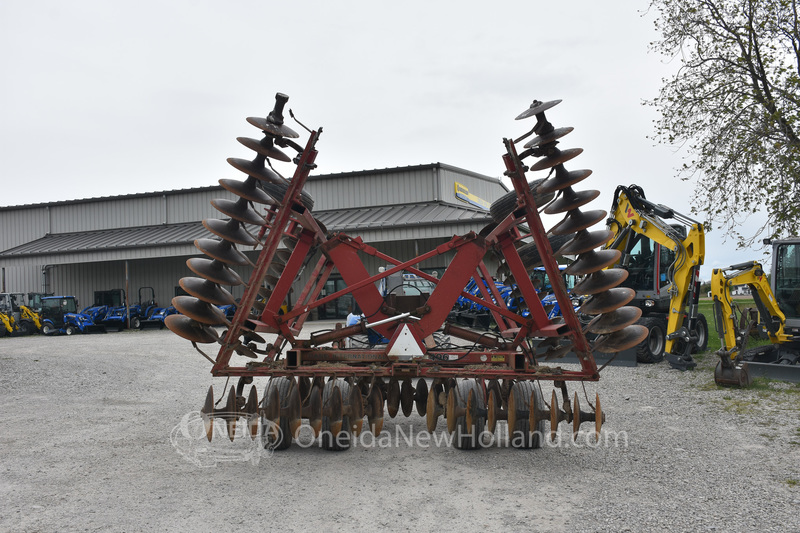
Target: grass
(706, 306)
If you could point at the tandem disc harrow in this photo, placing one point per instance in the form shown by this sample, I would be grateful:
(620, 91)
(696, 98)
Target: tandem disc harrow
(332, 384)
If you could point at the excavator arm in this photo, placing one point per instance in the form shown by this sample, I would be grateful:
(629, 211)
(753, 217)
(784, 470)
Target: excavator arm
(631, 215)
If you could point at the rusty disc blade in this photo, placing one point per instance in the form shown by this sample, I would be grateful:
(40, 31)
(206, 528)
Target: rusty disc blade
(255, 170)
(279, 130)
(432, 411)
(471, 415)
(208, 291)
(450, 411)
(393, 397)
(554, 418)
(578, 220)
(536, 108)
(335, 408)
(191, 330)
(264, 148)
(406, 397)
(570, 200)
(558, 157)
(356, 407)
(563, 179)
(315, 409)
(493, 408)
(599, 417)
(251, 411)
(230, 230)
(272, 280)
(549, 137)
(620, 340)
(213, 270)
(207, 412)
(247, 189)
(600, 281)
(293, 411)
(421, 396)
(614, 320)
(512, 413)
(557, 352)
(585, 241)
(241, 349)
(375, 411)
(576, 416)
(223, 251)
(239, 210)
(607, 301)
(199, 310)
(592, 262)
(231, 414)
(282, 255)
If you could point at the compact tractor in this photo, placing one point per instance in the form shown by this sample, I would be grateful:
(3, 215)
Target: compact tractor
(487, 378)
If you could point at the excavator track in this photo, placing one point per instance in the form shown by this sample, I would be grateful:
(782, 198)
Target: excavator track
(332, 385)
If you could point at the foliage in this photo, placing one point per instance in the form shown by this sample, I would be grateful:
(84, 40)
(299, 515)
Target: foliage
(734, 104)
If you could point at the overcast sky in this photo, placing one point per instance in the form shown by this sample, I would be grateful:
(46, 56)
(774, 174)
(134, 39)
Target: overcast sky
(104, 98)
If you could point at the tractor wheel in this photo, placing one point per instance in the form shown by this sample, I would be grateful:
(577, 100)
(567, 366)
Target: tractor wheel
(467, 436)
(701, 330)
(283, 439)
(521, 434)
(503, 206)
(47, 329)
(136, 323)
(651, 349)
(70, 330)
(340, 441)
(529, 253)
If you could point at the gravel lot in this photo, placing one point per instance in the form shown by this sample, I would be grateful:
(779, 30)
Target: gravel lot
(88, 430)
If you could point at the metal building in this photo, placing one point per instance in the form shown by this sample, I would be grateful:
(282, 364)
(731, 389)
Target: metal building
(78, 247)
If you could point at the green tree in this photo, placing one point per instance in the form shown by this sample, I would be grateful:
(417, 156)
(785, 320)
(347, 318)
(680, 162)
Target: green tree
(734, 106)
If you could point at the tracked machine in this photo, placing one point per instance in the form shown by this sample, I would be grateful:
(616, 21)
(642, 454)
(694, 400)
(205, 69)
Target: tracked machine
(490, 377)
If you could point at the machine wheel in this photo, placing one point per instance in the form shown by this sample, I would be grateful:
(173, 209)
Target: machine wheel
(521, 434)
(284, 439)
(26, 328)
(504, 205)
(340, 441)
(529, 253)
(701, 329)
(69, 330)
(467, 436)
(651, 349)
(47, 329)
(136, 323)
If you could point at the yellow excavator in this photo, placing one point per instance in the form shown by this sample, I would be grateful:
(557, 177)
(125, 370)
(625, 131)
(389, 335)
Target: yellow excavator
(777, 301)
(663, 262)
(20, 318)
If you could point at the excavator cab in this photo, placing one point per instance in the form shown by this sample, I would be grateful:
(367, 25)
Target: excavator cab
(786, 280)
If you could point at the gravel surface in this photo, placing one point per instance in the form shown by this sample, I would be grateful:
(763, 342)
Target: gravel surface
(91, 441)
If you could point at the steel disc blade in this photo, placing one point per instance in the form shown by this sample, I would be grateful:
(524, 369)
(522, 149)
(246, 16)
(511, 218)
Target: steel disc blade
(231, 414)
(282, 255)
(230, 230)
(407, 397)
(421, 396)
(578, 220)
(243, 350)
(255, 170)
(554, 418)
(563, 179)
(207, 412)
(191, 330)
(375, 411)
(548, 137)
(592, 262)
(607, 301)
(279, 130)
(393, 398)
(571, 200)
(239, 209)
(585, 241)
(294, 410)
(208, 291)
(247, 189)
(289, 241)
(264, 148)
(450, 411)
(356, 406)
(600, 281)
(272, 280)
(557, 352)
(222, 250)
(622, 339)
(615, 320)
(558, 157)
(199, 310)
(213, 270)
(536, 108)
(315, 409)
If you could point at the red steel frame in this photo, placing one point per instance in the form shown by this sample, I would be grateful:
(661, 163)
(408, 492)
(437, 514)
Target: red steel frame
(511, 357)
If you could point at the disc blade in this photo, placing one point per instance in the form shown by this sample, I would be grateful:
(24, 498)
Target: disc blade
(230, 230)
(213, 270)
(554, 419)
(393, 398)
(199, 310)
(294, 409)
(231, 414)
(279, 130)
(189, 329)
(239, 210)
(223, 251)
(251, 411)
(558, 157)
(615, 320)
(622, 339)
(571, 200)
(563, 179)
(375, 411)
(585, 241)
(207, 412)
(258, 171)
(600, 281)
(537, 107)
(578, 220)
(406, 397)
(592, 262)
(548, 137)
(421, 396)
(264, 148)
(208, 291)
(356, 407)
(607, 301)
(247, 189)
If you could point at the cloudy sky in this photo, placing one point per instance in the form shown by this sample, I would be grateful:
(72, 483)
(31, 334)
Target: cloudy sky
(103, 98)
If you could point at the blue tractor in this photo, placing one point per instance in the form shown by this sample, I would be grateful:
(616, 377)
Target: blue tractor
(60, 315)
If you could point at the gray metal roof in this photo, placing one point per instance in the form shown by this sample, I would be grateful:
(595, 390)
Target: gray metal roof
(111, 239)
(347, 220)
